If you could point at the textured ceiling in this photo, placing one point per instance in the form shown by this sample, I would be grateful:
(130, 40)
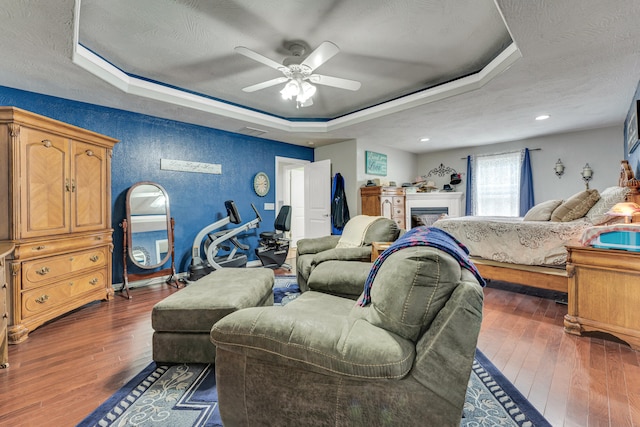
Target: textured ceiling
(190, 45)
(580, 63)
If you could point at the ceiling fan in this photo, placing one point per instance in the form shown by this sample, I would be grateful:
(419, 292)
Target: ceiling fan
(298, 75)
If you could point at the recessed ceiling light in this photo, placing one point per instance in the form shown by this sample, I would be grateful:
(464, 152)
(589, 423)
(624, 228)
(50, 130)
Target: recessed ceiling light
(311, 143)
(543, 117)
(424, 139)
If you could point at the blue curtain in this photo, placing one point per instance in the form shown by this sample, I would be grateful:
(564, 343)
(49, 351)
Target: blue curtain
(526, 185)
(468, 210)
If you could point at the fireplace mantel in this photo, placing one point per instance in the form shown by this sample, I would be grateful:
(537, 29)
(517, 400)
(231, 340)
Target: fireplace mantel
(451, 200)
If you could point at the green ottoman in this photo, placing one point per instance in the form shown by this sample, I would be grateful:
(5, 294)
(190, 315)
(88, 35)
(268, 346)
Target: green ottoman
(182, 322)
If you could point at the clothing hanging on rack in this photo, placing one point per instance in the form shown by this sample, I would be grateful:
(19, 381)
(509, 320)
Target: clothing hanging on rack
(339, 207)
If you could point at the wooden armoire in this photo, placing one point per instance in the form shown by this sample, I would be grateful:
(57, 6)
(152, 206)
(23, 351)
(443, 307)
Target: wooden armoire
(55, 197)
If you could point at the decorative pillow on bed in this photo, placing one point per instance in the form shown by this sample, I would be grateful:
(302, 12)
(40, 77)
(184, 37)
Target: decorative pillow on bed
(575, 206)
(608, 198)
(542, 211)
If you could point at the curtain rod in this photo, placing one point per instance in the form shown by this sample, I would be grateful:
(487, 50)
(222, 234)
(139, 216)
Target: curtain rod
(504, 152)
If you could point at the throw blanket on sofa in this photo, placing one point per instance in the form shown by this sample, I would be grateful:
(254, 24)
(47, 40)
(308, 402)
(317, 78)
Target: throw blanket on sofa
(422, 236)
(355, 230)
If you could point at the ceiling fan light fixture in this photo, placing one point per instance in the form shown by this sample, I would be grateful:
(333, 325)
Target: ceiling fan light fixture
(291, 89)
(307, 90)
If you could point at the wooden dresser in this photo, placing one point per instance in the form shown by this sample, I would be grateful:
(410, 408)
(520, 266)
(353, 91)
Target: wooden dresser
(384, 201)
(5, 250)
(604, 293)
(55, 196)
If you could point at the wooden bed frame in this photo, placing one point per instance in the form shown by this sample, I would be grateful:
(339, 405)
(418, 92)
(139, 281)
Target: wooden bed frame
(552, 278)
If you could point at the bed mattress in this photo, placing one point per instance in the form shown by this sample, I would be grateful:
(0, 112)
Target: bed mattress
(512, 240)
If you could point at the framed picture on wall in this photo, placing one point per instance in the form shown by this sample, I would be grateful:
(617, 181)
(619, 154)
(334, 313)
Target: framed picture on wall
(376, 163)
(632, 128)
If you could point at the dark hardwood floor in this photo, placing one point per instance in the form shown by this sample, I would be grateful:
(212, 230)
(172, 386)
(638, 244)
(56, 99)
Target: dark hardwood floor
(68, 367)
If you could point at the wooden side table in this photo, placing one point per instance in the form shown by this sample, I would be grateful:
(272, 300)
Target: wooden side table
(604, 293)
(377, 248)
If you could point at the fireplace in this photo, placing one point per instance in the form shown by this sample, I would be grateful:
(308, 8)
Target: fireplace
(427, 215)
(430, 206)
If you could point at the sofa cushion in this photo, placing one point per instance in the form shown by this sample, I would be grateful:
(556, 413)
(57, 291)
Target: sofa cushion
(575, 206)
(343, 278)
(542, 211)
(316, 330)
(410, 288)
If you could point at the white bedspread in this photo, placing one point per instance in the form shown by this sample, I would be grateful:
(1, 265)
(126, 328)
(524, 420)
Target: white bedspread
(512, 240)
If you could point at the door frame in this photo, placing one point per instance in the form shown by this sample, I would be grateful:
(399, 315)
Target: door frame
(283, 164)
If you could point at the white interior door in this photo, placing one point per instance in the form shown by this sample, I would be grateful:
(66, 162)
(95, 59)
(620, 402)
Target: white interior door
(296, 200)
(317, 199)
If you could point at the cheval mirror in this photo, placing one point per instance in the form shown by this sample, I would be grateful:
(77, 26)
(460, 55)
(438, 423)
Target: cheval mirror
(148, 234)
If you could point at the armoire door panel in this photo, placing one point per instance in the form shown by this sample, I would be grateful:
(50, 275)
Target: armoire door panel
(89, 185)
(45, 178)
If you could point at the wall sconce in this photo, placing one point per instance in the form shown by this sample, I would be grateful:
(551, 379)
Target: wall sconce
(587, 174)
(626, 210)
(559, 168)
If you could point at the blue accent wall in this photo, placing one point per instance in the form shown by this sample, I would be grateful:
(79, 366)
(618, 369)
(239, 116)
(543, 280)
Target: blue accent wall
(196, 199)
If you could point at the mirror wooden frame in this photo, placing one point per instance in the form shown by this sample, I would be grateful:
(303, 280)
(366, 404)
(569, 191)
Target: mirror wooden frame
(127, 246)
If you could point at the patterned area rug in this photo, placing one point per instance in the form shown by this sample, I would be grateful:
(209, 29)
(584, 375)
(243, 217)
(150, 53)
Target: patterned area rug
(185, 395)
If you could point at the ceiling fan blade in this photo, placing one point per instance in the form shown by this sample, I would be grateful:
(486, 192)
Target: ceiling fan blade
(320, 55)
(334, 81)
(260, 58)
(265, 85)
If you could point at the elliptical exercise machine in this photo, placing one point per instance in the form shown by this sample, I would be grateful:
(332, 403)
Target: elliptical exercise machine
(213, 243)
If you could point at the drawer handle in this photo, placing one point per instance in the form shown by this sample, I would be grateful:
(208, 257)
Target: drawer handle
(93, 281)
(46, 143)
(42, 299)
(43, 271)
(38, 248)
(94, 258)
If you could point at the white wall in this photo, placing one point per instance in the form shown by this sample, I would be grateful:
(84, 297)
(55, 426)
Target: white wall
(602, 148)
(343, 158)
(348, 158)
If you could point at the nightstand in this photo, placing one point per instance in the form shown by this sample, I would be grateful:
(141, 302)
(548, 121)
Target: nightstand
(604, 293)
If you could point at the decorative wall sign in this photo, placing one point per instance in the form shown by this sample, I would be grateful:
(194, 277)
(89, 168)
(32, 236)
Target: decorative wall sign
(632, 127)
(187, 166)
(376, 163)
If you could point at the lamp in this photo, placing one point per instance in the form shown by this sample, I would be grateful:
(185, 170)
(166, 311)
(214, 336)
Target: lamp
(625, 209)
(587, 174)
(301, 90)
(559, 168)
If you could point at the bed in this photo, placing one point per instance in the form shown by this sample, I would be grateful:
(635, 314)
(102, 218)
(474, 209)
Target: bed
(527, 252)
(513, 250)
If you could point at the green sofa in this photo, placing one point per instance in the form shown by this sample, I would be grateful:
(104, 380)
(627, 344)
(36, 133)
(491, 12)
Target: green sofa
(321, 266)
(322, 360)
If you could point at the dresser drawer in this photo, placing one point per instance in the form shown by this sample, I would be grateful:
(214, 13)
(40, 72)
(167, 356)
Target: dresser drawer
(48, 297)
(37, 272)
(39, 248)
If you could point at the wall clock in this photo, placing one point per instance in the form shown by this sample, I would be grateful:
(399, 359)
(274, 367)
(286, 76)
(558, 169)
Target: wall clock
(261, 184)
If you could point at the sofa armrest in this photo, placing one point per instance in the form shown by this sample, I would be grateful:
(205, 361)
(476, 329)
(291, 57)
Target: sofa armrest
(315, 330)
(362, 253)
(318, 244)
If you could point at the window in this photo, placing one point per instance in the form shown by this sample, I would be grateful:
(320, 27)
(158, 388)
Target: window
(496, 184)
